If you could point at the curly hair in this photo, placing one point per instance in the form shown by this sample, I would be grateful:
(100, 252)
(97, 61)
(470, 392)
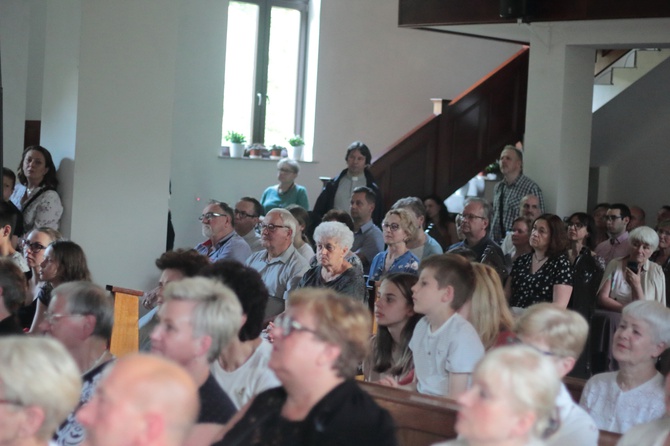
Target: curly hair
(187, 261)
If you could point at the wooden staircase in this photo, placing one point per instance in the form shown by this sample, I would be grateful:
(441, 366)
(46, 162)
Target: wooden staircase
(462, 137)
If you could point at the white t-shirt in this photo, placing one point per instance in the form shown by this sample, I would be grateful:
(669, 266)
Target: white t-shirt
(617, 411)
(455, 347)
(252, 378)
(577, 428)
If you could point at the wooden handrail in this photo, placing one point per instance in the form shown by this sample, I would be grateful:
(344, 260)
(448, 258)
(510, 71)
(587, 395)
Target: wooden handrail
(447, 149)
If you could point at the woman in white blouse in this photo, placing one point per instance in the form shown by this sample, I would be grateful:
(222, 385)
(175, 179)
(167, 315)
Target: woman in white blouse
(620, 400)
(36, 196)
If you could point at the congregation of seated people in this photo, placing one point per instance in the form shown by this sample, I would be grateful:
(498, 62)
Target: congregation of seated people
(258, 333)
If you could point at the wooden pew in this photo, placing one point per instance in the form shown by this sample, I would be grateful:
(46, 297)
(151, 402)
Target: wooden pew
(422, 420)
(125, 334)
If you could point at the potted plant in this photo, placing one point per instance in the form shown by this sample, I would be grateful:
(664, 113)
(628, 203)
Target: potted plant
(296, 144)
(255, 151)
(237, 141)
(275, 152)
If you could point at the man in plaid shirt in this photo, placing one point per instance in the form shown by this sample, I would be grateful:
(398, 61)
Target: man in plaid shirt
(508, 193)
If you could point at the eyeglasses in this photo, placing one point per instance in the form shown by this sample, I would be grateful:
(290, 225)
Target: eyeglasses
(52, 318)
(272, 228)
(612, 217)
(209, 216)
(393, 227)
(33, 247)
(286, 171)
(469, 216)
(242, 214)
(576, 225)
(288, 325)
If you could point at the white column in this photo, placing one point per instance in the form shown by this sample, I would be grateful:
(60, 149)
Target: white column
(558, 120)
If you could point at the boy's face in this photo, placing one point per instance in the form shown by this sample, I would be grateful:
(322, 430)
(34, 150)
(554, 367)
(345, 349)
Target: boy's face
(7, 188)
(426, 294)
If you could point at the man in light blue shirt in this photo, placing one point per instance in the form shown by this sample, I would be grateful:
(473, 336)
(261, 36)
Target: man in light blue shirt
(222, 240)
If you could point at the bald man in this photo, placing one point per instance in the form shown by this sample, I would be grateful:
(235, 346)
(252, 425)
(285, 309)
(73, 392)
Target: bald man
(144, 399)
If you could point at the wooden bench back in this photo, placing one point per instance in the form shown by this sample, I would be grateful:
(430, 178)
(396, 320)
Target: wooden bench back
(125, 334)
(422, 420)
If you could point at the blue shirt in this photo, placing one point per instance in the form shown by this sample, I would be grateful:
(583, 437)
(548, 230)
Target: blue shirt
(232, 247)
(271, 198)
(406, 263)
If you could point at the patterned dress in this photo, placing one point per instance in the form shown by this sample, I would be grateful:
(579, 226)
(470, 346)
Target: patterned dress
(529, 288)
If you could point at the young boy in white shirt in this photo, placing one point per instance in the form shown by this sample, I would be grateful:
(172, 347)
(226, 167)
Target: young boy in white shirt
(445, 346)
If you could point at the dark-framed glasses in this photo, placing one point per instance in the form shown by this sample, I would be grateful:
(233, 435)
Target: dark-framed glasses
(242, 214)
(517, 341)
(271, 228)
(469, 217)
(210, 215)
(393, 227)
(33, 247)
(576, 225)
(612, 217)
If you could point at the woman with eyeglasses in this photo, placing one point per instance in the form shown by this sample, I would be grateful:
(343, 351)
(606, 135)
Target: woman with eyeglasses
(545, 274)
(63, 261)
(582, 238)
(286, 192)
(36, 194)
(318, 343)
(511, 401)
(34, 245)
(399, 225)
(633, 277)
(333, 242)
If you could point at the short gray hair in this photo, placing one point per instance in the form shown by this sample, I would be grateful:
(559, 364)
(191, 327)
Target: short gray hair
(40, 372)
(217, 313)
(287, 219)
(292, 164)
(334, 230)
(88, 299)
(655, 314)
(530, 378)
(486, 206)
(646, 235)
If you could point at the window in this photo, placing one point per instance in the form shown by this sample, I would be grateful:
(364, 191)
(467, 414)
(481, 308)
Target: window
(265, 69)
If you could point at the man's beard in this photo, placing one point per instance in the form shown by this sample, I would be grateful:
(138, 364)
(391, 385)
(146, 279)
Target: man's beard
(206, 231)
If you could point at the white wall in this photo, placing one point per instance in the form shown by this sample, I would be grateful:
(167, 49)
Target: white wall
(374, 83)
(631, 140)
(148, 108)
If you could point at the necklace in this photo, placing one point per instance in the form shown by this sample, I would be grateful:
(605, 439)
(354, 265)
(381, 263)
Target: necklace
(538, 260)
(96, 363)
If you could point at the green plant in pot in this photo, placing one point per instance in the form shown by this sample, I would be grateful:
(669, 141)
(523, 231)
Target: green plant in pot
(296, 144)
(237, 141)
(275, 151)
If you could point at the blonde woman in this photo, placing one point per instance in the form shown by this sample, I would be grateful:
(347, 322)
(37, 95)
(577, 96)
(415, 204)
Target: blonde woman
(487, 310)
(398, 227)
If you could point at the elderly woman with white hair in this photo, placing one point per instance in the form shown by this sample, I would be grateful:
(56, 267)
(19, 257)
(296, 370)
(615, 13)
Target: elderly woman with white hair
(333, 242)
(633, 395)
(633, 277)
(286, 192)
(39, 387)
(511, 401)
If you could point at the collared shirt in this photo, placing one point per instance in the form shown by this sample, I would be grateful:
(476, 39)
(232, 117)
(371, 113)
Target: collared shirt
(368, 241)
(511, 199)
(577, 428)
(253, 239)
(280, 274)
(231, 247)
(614, 247)
(345, 188)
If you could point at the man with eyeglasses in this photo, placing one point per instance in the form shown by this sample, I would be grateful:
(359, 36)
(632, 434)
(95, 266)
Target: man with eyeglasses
(247, 214)
(474, 224)
(617, 218)
(222, 241)
(280, 265)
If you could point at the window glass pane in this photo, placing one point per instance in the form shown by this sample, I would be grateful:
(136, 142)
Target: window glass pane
(282, 75)
(239, 92)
